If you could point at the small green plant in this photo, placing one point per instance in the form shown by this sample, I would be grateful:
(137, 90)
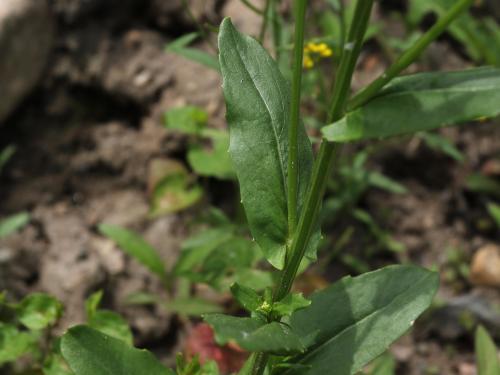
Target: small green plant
(347, 325)
(26, 331)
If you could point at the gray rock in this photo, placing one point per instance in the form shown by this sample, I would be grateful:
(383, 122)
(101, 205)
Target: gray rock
(26, 35)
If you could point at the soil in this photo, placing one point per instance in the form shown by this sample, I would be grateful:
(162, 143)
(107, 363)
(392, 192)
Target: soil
(85, 139)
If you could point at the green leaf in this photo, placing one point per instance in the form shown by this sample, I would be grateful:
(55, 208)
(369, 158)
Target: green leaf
(483, 184)
(494, 210)
(248, 298)
(258, 110)
(254, 334)
(90, 352)
(179, 47)
(353, 321)
(38, 311)
(214, 162)
(442, 144)
(135, 246)
(291, 303)
(112, 324)
(14, 344)
(384, 365)
(486, 353)
(175, 192)
(192, 306)
(56, 365)
(188, 119)
(421, 102)
(92, 303)
(13, 223)
(5, 155)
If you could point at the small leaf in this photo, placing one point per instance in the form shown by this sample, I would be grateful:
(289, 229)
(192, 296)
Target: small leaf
(479, 183)
(135, 246)
(486, 353)
(291, 303)
(5, 155)
(248, 298)
(258, 110)
(92, 303)
(38, 311)
(421, 102)
(56, 365)
(367, 312)
(191, 306)
(13, 223)
(494, 210)
(254, 334)
(180, 47)
(189, 119)
(14, 344)
(215, 162)
(111, 324)
(90, 352)
(442, 144)
(384, 365)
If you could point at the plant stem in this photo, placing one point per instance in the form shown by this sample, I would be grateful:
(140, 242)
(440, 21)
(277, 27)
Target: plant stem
(252, 7)
(265, 17)
(199, 26)
(410, 55)
(298, 54)
(324, 161)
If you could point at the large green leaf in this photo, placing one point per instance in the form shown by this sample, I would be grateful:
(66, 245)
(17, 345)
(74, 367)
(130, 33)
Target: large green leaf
(486, 353)
(135, 246)
(255, 334)
(258, 110)
(90, 352)
(422, 102)
(353, 321)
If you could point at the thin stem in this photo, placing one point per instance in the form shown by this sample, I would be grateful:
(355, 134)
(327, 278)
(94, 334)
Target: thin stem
(265, 18)
(410, 55)
(199, 26)
(252, 7)
(259, 363)
(298, 54)
(323, 164)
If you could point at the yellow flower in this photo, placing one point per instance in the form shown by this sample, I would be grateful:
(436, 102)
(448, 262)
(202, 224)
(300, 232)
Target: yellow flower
(314, 52)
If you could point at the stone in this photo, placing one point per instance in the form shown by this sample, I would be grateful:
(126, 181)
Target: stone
(26, 37)
(485, 267)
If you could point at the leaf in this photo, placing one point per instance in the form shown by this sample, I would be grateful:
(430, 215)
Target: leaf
(179, 47)
(215, 162)
(248, 298)
(188, 119)
(14, 344)
(421, 102)
(384, 365)
(13, 223)
(442, 144)
(486, 353)
(254, 334)
(92, 303)
(38, 311)
(479, 183)
(354, 320)
(191, 306)
(135, 246)
(291, 303)
(111, 324)
(5, 155)
(258, 110)
(494, 211)
(55, 365)
(90, 352)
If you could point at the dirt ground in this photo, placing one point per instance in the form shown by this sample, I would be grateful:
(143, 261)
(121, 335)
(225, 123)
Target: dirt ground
(86, 138)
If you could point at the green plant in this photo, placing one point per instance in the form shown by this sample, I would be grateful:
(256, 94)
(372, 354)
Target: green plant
(26, 331)
(345, 326)
(487, 359)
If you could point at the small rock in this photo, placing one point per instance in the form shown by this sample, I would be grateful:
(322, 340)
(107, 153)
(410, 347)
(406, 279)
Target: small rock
(26, 35)
(485, 268)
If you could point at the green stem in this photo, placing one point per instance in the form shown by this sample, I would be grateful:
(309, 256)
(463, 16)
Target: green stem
(252, 7)
(265, 20)
(298, 54)
(259, 363)
(199, 26)
(410, 55)
(324, 161)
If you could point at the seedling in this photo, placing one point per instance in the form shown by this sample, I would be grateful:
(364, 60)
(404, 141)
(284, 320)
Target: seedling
(344, 327)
